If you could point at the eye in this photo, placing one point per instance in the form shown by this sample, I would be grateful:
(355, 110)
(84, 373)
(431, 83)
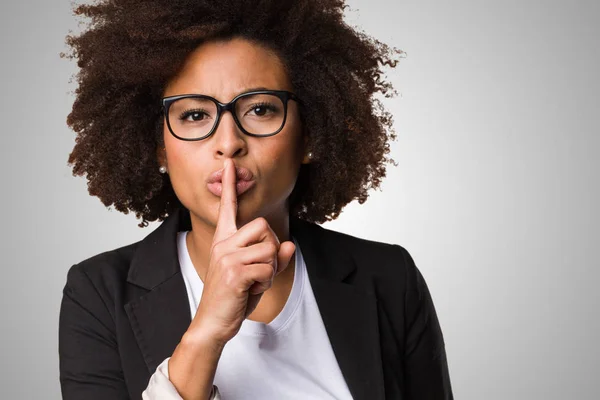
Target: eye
(196, 114)
(262, 109)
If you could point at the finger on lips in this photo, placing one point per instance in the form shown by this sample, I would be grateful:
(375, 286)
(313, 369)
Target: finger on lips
(253, 233)
(226, 221)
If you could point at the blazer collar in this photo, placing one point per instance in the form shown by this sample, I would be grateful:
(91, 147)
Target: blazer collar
(156, 258)
(161, 316)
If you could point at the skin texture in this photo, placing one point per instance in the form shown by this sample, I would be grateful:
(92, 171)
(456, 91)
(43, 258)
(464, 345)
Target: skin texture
(224, 69)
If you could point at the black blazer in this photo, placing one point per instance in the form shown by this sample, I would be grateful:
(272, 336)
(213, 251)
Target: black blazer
(125, 310)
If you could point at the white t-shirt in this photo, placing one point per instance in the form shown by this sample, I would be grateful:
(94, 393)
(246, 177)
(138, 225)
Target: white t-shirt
(290, 357)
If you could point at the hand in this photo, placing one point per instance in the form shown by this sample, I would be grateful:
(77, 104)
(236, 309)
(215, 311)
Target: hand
(243, 263)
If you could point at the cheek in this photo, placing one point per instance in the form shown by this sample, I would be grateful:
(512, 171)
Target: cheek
(281, 160)
(186, 173)
(179, 154)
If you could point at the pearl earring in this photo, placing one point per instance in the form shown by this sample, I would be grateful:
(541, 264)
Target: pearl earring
(162, 169)
(310, 155)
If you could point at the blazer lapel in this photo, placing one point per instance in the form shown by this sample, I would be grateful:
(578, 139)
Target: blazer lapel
(161, 315)
(349, 312)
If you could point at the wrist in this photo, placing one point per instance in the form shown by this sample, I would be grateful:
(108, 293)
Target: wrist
(199, 341)
(193, 365)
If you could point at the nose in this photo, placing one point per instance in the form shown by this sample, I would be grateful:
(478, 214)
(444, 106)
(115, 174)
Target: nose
(229, 140)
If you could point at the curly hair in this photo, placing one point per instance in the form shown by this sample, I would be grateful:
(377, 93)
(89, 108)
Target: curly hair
(132, 48)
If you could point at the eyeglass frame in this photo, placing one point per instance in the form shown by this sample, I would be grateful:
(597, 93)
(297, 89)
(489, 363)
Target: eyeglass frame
(283, 95)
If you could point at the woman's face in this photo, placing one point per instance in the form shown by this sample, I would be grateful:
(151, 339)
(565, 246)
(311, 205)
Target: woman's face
(223, 70)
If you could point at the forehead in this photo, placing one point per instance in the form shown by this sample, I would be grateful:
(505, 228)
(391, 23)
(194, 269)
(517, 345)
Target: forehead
(223, 69)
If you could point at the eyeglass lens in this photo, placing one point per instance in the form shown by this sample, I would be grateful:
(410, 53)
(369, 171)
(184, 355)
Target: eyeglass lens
(194, 117)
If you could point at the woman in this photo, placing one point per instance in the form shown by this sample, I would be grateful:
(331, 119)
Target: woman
(240, 125)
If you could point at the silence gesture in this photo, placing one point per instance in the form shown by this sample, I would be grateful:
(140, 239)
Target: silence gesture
(243, 263)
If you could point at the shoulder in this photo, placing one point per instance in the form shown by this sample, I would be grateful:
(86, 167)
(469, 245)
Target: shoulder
(387, 268)
(382, 259)
(389, 271)
(102, 275)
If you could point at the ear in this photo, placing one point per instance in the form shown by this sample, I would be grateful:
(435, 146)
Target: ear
(161, 156)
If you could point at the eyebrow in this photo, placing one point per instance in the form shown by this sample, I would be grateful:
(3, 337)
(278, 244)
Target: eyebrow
(252, 89)
(246, 90)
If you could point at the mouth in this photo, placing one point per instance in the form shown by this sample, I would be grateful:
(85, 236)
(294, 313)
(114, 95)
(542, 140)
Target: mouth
(241, 186)
(244, 181)
(242, 174)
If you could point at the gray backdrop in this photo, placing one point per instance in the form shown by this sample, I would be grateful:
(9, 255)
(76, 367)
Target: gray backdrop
(495, 194)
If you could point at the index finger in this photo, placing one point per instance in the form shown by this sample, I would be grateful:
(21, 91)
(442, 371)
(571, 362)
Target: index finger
(226, 221)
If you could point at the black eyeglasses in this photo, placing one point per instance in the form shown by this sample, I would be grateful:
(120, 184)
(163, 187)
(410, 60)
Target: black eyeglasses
(258, 113)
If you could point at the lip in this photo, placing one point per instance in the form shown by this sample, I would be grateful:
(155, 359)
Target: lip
(241, 186)
(242, 174)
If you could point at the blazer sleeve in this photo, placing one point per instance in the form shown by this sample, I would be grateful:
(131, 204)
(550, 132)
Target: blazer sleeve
(89, 362)
(426, 366)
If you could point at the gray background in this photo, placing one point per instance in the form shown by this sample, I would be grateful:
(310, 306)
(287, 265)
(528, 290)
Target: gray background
(495, 194)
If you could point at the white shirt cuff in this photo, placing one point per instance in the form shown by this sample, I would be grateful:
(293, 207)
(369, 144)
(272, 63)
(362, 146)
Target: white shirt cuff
(160, 387)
